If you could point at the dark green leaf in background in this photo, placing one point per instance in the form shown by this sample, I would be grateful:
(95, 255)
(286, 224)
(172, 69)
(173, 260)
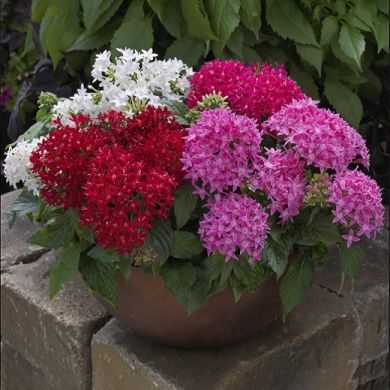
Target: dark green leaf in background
(329, 30)
(187, 49)
(24, 204)
(186, 245)
(285, 18)
(312, 55)
(351, 258)
(346, 102)
(352, 43)
(184, 204)
(160, 240)
(251, 15)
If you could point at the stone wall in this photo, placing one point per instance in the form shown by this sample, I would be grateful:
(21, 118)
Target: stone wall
(337, 342)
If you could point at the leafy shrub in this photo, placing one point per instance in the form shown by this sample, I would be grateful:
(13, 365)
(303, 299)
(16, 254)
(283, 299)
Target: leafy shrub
(337, 50)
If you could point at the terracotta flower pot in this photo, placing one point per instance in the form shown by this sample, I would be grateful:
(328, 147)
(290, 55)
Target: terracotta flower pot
(147, 308)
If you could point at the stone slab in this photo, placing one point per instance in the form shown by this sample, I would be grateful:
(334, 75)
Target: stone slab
(369, 294)
(52, 335)
(315, 349)
(14, 247)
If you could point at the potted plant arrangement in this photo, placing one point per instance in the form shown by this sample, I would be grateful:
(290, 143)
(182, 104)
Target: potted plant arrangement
(196, 206)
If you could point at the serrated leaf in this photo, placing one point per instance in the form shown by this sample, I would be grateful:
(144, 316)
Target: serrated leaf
(197, 21)
(106, 19)
(305, 81)
(351, 258)
(24, 204)
(366, 12)
(297, 280)
(186, 245)
(59, 233)
(251, 15)
(236, 42)
(329, 30)
(339, 54)
(160, 240)
(135, 34)
(312, 55)
(346, 102)
(65, 266)
(188, 49)
(95, 40)
(93, 10)
(352, 43)
(100, 277)
(184, 204)
(224, 18)
(288, 21)
(383, 6)
(381, 32)
(168, 12)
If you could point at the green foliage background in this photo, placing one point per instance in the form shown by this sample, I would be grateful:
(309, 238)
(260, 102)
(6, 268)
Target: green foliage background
(337, 50)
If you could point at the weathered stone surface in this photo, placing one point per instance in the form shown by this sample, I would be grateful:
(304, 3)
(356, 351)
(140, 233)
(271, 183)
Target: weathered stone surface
(14, 247)
(315, 349)
(373, 370)
(18, 374)
(52, 335)
(369, 295)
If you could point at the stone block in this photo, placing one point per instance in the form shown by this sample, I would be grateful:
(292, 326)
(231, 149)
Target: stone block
(369, 294)
(14, 247)
(53, 336)
(316, 349)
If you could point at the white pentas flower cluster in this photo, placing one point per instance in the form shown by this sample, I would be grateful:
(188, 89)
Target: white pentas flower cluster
(17, 165)
(133, 81)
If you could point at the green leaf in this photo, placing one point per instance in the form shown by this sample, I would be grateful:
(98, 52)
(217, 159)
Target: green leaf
(168, 12)
(329, 30)
(373, 88)
(383, 6)
(37, 130)
(38, 9)
(197, 21)
(251, 15)
(186, 245)
(160, 240)
(101, 254)
(124, 265)
(24, 204)
(137, 34)
(178, 279)
(184, 204)
(297, 280)
(352, 43)
(217, 271)
(188, 49)
(339, 54)
(346, 102)
(95, 40)
(85, 233)
(236, 43)
(58, 233)
(351, 258)
(224, 18)
(65, 266)
(365, 13)
(239, 289)
(93, 10)
(108, 17)
(312, 55)
(288, 21)
(59, 28)
(305, 81)
(100, 277)
(381, 32)
(136, 30)
(345, 74)
(275, 255)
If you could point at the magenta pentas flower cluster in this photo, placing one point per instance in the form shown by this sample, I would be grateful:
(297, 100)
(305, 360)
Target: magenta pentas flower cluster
(234, 223)
(252, 90)
(282, 176)
(219, 150)
(321, 137)
(358, 207)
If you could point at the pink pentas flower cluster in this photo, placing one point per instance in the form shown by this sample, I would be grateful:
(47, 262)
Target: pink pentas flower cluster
(282, 176)
(234, 223)
(219, 150)
(358, 206)
(252, 90)
(321, 137)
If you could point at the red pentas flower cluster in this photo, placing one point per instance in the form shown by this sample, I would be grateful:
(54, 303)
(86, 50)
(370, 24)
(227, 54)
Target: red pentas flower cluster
(251, 90)
(118, 172)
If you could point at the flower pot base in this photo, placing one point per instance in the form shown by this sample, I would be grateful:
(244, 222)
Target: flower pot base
(147, 308)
